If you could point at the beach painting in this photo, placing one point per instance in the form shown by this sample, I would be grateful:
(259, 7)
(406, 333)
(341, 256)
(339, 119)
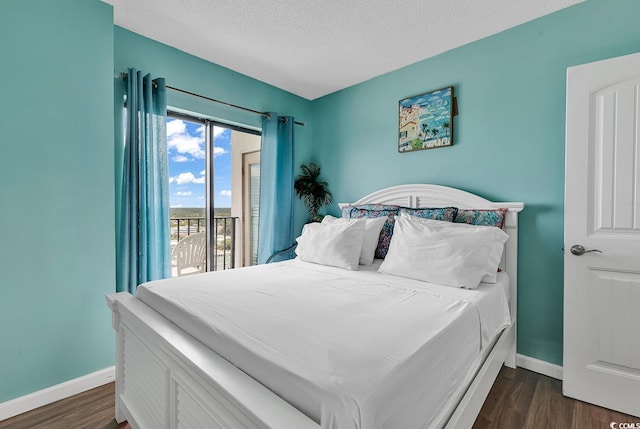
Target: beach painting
(426, 121)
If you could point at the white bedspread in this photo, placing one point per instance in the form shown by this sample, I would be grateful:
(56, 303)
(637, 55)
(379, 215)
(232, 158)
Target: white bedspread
(350, 349)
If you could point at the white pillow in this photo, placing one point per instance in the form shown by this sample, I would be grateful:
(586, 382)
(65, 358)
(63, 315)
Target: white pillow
(372, 230)
(488, 278)
(334, 244)
(448, 256)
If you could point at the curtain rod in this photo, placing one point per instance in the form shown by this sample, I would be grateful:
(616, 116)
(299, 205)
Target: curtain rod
(246, 109)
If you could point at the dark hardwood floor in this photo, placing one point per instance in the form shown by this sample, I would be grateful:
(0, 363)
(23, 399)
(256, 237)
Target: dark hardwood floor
(519, 399)
(93, 409)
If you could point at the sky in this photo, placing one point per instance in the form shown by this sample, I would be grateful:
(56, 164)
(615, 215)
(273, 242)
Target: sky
(186, 147)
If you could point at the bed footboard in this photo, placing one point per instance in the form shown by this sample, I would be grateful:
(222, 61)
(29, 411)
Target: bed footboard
(166, 379)
(469, 406)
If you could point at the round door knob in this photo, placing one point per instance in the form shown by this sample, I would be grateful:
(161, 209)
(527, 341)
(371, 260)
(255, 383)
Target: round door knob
(579, 250)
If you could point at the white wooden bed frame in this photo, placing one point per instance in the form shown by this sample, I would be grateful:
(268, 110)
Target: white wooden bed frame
(165, 378)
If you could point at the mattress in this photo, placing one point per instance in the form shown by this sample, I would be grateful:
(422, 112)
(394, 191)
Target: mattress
(350, 349)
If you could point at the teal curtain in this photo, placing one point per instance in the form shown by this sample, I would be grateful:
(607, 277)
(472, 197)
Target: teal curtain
(275, 220)
(144, 247)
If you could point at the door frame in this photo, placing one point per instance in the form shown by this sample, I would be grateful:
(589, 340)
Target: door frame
(248, 158)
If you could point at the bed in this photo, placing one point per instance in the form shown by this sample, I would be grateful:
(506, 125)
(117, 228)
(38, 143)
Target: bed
(168, 374)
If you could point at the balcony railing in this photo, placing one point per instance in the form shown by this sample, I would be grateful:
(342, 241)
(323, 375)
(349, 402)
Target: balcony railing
(223, 235)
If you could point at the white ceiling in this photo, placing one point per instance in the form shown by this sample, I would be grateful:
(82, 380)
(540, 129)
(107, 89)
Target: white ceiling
(315, 47)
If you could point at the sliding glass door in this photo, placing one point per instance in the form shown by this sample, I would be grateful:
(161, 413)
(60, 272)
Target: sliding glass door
(186, 145)
(206, 191)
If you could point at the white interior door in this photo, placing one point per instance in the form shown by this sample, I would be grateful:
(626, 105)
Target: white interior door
(602, 212)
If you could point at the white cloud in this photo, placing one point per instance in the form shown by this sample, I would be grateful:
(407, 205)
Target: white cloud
(176, 126)
(217, 151)
(186, 178)
(178, 138)
(225, 193)
(183, 194)
(177, 206)
(203, 172)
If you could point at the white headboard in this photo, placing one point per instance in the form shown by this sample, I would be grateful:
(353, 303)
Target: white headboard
(420, 195)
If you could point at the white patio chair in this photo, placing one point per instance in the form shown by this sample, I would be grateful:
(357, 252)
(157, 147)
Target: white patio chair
(190, 254)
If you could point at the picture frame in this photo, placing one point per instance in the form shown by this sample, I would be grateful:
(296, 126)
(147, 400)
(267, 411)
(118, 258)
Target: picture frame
(425, 121)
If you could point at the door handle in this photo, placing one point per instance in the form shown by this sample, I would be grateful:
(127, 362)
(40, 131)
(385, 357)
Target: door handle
(579, 250)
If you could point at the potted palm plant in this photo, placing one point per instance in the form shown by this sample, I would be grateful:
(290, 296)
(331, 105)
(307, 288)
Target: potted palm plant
(314, 194)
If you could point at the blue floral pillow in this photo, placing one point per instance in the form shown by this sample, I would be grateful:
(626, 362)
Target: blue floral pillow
(482, 217)
(445, 213)
(373, 211)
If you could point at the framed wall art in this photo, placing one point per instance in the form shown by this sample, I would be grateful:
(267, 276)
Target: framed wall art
(426, 120)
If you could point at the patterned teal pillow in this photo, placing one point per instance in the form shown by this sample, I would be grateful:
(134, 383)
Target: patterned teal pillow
(445, 213)
(482, 217)
(373, 211)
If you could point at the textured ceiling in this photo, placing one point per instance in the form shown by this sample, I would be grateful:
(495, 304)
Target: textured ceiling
(311, 47)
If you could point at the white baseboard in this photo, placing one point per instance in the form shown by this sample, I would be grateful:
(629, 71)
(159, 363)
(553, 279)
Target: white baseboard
(539, 366)
(55, 393)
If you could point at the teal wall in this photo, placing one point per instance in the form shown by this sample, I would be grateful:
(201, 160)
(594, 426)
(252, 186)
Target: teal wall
(56, 192)
(193, 74)
(509, 138)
